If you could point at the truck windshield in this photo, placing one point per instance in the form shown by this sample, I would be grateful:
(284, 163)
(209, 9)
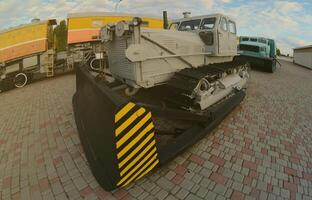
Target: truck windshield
(208, 23)
(264, 41)
(190, 25)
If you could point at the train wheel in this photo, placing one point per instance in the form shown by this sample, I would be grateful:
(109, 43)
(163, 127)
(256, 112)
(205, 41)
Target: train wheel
(20, 80)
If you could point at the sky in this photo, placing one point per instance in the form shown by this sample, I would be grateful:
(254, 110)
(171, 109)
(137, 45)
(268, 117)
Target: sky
(289, 22)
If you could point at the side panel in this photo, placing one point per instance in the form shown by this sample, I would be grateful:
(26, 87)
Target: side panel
(272, 49)
(30, 62)
(12, 68)
(23, 34)
(81, 35)
(303, 58)
(223, 37)
(24, 49)
(23, 41)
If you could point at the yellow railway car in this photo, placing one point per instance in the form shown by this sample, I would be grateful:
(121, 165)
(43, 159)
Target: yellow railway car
(85, 27)
(26, 39)
(27, 52)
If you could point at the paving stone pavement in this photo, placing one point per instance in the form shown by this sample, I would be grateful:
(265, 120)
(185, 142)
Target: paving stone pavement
(262, 150)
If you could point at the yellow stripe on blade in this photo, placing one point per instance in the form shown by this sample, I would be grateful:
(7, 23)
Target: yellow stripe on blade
(134, 130)
(124, 111)
(137, 149)
(148, 170)
(137, 159)
(133, 117)
(142, 169)
(137, 167)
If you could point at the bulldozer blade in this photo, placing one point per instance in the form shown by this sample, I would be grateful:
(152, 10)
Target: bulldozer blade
(119, 136)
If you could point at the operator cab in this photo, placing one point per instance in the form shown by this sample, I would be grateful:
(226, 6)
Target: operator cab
(217, 31)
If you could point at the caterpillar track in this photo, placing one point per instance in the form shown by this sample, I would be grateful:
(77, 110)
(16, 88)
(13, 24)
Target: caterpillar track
(184, 83)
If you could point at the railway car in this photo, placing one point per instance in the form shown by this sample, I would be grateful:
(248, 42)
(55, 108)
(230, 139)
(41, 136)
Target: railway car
(83, 33)
(27, 53)
(25, 40)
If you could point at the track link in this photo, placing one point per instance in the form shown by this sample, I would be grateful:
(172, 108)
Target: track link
(183, 83)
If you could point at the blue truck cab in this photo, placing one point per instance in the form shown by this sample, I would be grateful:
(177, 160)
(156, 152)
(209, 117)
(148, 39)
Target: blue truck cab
(258, 51)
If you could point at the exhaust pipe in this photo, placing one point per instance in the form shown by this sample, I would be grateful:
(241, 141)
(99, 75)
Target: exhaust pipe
(186, 14)
(165, 19)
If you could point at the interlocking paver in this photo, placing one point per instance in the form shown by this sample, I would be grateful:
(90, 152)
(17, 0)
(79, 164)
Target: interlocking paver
(262, 150)
(182, 193)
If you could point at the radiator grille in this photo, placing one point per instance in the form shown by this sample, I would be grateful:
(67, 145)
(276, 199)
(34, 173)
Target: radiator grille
(245, 47)
(118, 61)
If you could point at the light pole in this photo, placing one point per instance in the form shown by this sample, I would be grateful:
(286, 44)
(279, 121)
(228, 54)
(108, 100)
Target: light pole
(116, 6)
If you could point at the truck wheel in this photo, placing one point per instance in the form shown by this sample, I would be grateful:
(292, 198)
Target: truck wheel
(270, 66)
(20, 80)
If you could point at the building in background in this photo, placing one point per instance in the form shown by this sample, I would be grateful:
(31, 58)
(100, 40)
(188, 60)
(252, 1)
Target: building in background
(303, 56)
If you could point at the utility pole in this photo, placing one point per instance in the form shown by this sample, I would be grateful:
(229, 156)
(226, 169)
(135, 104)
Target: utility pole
(116, 6)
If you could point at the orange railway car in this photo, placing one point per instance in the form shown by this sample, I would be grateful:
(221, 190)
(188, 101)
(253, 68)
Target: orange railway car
(85, 27)
(27, 53)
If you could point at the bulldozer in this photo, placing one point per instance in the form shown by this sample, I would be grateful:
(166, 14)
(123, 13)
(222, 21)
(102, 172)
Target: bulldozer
(163, 90)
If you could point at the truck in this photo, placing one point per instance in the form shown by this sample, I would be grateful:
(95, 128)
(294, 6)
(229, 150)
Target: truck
(259, 52)
(162, 91)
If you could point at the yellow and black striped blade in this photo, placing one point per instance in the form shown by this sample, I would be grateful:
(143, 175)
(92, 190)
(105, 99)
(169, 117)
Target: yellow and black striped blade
(135, 143)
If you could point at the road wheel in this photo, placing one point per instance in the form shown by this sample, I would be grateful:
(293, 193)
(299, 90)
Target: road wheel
(20, 80)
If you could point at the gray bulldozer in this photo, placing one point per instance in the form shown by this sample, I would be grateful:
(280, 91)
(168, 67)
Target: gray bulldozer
(163, 90)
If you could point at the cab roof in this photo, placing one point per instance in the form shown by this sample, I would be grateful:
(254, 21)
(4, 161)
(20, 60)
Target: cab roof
(253, 37)
(202, 17)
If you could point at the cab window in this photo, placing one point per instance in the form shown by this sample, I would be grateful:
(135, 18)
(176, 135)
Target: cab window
(232, 27)
(190, 25)
(208, 23)
(261, 40)
(245, 39)
(223, 24)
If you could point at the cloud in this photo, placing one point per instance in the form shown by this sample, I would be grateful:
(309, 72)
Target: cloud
(287, 6)
(226, 1)
(208, 4)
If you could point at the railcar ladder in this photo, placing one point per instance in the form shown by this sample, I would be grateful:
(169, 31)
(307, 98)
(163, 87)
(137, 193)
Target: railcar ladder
(50, 64)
